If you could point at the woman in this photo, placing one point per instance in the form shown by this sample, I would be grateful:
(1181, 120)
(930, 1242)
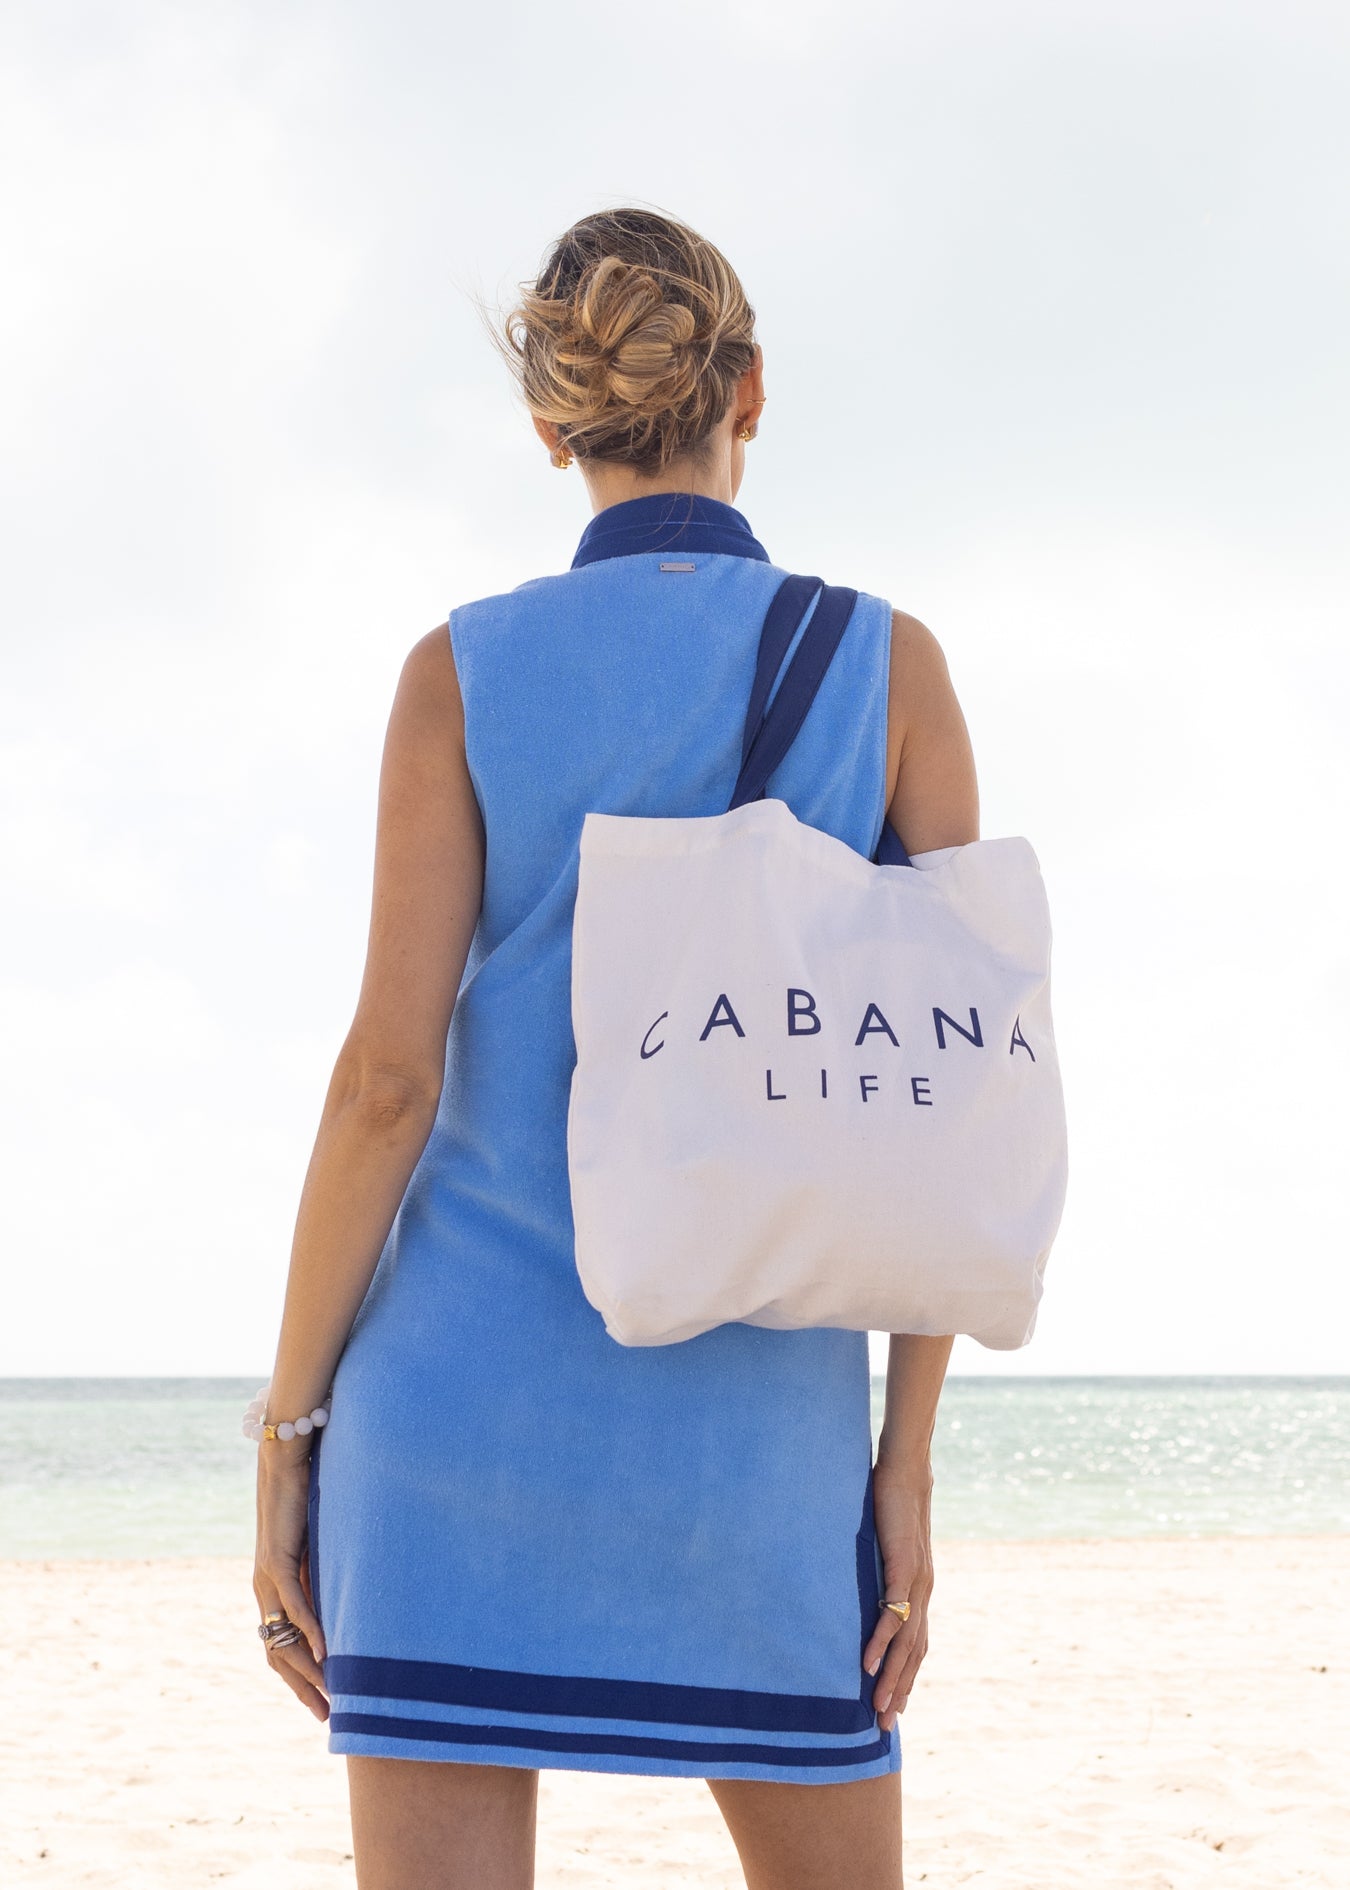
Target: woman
(518, 1543)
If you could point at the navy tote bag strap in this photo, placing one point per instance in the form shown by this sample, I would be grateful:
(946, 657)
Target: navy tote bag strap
(768, 737)
(791, 601)
(767, 740)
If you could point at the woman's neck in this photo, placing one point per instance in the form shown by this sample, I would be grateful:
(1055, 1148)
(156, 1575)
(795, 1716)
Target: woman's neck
(609, 484)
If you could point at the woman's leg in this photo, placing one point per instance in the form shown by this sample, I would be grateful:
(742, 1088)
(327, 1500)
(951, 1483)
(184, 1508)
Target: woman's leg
(814, 1837)
(421, 1824)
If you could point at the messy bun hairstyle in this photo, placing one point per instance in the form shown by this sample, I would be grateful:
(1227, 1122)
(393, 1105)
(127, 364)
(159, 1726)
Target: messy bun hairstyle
(632, 339)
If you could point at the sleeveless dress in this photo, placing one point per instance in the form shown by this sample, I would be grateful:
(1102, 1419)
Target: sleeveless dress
(529, 1544)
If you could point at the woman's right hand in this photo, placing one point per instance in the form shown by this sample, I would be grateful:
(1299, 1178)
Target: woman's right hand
(280, 1570)
(902, 1505)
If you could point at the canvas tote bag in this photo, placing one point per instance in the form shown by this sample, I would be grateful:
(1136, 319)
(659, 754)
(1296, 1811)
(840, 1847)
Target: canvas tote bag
(811, 1089)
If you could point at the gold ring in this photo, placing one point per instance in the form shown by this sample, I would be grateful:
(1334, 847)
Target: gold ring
(277, 1615)
(898, 1607)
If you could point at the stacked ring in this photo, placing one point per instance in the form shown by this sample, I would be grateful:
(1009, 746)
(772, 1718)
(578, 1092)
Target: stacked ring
(277, 1630)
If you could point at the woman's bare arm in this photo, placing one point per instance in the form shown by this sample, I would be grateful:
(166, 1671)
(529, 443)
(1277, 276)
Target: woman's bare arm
(935, 799)
(385, 1087)
(386, 1083)
(934, 803)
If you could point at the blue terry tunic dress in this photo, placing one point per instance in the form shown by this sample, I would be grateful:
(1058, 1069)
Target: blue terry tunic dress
(531, 1545)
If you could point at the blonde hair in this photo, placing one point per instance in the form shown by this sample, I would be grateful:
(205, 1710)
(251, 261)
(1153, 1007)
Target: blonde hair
(632, 339)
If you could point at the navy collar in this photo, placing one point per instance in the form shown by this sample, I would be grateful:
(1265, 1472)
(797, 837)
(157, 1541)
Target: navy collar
(667, 521)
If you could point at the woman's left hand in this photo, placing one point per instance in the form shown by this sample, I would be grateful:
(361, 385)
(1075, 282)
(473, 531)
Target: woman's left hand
(281, 1570)
(901, 1501)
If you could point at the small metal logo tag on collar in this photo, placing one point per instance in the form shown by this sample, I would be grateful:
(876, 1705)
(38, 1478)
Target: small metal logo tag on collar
(679, 567)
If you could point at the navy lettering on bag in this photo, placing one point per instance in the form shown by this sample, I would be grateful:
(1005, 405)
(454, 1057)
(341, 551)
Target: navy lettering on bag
(768, 1086)
(917, 1083)
(797, 1011)
(863, 1081)
(723, 1004)
(971, 1036)
(874, 1010)
(1018, 1038)
(804, 1020)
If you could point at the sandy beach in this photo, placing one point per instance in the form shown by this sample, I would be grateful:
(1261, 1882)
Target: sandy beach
(1151, 1713)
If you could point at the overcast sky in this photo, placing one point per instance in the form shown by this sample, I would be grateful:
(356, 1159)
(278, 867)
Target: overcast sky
(1053, 299)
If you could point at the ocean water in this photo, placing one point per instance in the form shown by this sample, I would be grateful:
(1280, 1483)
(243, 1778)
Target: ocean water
(153, 1467)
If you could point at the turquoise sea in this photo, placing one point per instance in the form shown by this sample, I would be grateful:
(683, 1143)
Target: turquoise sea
(156, 1466)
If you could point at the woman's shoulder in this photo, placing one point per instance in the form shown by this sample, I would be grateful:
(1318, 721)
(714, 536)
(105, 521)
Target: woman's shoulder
(920, 673)
(932, 790)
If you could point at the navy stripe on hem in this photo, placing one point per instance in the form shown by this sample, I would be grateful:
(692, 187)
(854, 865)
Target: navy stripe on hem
(658, 1702)
(446, 1732)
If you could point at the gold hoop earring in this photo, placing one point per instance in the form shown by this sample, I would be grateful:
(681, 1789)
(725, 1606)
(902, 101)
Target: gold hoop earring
(745, 434)
(562, 459)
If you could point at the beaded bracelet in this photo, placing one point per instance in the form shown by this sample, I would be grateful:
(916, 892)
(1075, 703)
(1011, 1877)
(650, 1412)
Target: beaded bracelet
(258, 1430)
